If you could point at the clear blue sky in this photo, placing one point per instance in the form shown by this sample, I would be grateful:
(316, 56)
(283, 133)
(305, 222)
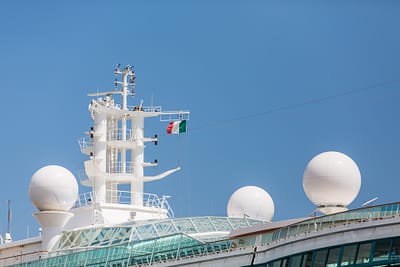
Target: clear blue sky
(269, 84)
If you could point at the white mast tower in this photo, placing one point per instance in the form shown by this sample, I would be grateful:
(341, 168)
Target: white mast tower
(116, 149)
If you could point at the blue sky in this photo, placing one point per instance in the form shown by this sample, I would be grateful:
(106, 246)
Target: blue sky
(269, 84)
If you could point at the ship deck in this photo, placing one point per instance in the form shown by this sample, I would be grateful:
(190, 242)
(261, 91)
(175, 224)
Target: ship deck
(175, 240)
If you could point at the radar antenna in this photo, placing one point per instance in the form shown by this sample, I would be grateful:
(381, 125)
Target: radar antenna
(128, 79)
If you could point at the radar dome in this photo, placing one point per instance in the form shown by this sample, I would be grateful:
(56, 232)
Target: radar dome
(251, 202)
(331, 181)
(53, 188)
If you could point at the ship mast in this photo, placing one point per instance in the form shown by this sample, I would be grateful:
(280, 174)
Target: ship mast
(127, 72)
(116, 146)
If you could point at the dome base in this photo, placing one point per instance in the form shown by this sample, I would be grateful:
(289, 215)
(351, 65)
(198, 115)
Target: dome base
(331, 209)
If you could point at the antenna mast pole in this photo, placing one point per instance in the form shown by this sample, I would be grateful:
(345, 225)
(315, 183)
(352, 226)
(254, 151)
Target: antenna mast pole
(8, 215)
(127, 71)
(8, 234)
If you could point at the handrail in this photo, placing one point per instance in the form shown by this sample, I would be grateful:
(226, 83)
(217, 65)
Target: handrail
(120, 167)
(85, 142)
(124, 197)
(137, 108)
(116, 134)
(113, 168)
(360, 215)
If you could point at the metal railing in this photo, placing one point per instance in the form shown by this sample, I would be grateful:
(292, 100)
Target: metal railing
(326, 222)
(120, 167)
(146, 108)
(85, 142)
(116, 134)
(137, 108)
(114, 168)
(83, 177)
(117, 167)
(124, 197)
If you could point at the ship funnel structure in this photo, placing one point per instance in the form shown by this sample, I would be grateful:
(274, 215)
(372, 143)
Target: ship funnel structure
(331, 181)
(115, 145)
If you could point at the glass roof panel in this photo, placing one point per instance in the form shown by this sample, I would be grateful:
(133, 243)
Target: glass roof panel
(221, 223)
(185, 225)
(121, 234)
(165, 228)
(147, 231)
(203, 224)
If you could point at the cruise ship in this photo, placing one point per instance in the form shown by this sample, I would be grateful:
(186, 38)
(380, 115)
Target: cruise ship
(107, 226)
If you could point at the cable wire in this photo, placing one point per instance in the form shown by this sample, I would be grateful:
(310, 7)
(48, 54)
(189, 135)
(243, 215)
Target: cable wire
(296, 105)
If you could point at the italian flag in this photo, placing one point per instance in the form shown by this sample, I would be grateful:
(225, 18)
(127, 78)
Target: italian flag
(176, 127)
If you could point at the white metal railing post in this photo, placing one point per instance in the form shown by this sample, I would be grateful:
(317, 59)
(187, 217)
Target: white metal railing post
(152, 252)
(123, 197)
(87, 256)
(108, 253)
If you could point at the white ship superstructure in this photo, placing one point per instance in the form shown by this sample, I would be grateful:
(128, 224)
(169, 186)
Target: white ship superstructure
(115, 146)
(109, 226)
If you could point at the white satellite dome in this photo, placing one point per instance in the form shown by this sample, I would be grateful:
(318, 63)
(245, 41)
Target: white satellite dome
(331, 181)
(251, 202)
(53, 188)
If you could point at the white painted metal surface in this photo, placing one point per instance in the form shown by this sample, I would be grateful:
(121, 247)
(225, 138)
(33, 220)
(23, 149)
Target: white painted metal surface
(53, 188)
(331, 181)
(116, 150)
(251, 202)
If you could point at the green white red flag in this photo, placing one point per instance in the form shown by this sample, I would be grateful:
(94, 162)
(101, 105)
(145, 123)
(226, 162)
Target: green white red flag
(176, 127)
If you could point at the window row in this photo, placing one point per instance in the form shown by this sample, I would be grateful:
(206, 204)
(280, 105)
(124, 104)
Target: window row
(368, 253)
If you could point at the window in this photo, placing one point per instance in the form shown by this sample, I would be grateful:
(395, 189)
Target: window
(349, 255)
(395, 253)
(295, 261)
(276, 263)
(333, 257)
(285, 262)
(306, 262)
(364, 252)
(320, 258)
(381, 250)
